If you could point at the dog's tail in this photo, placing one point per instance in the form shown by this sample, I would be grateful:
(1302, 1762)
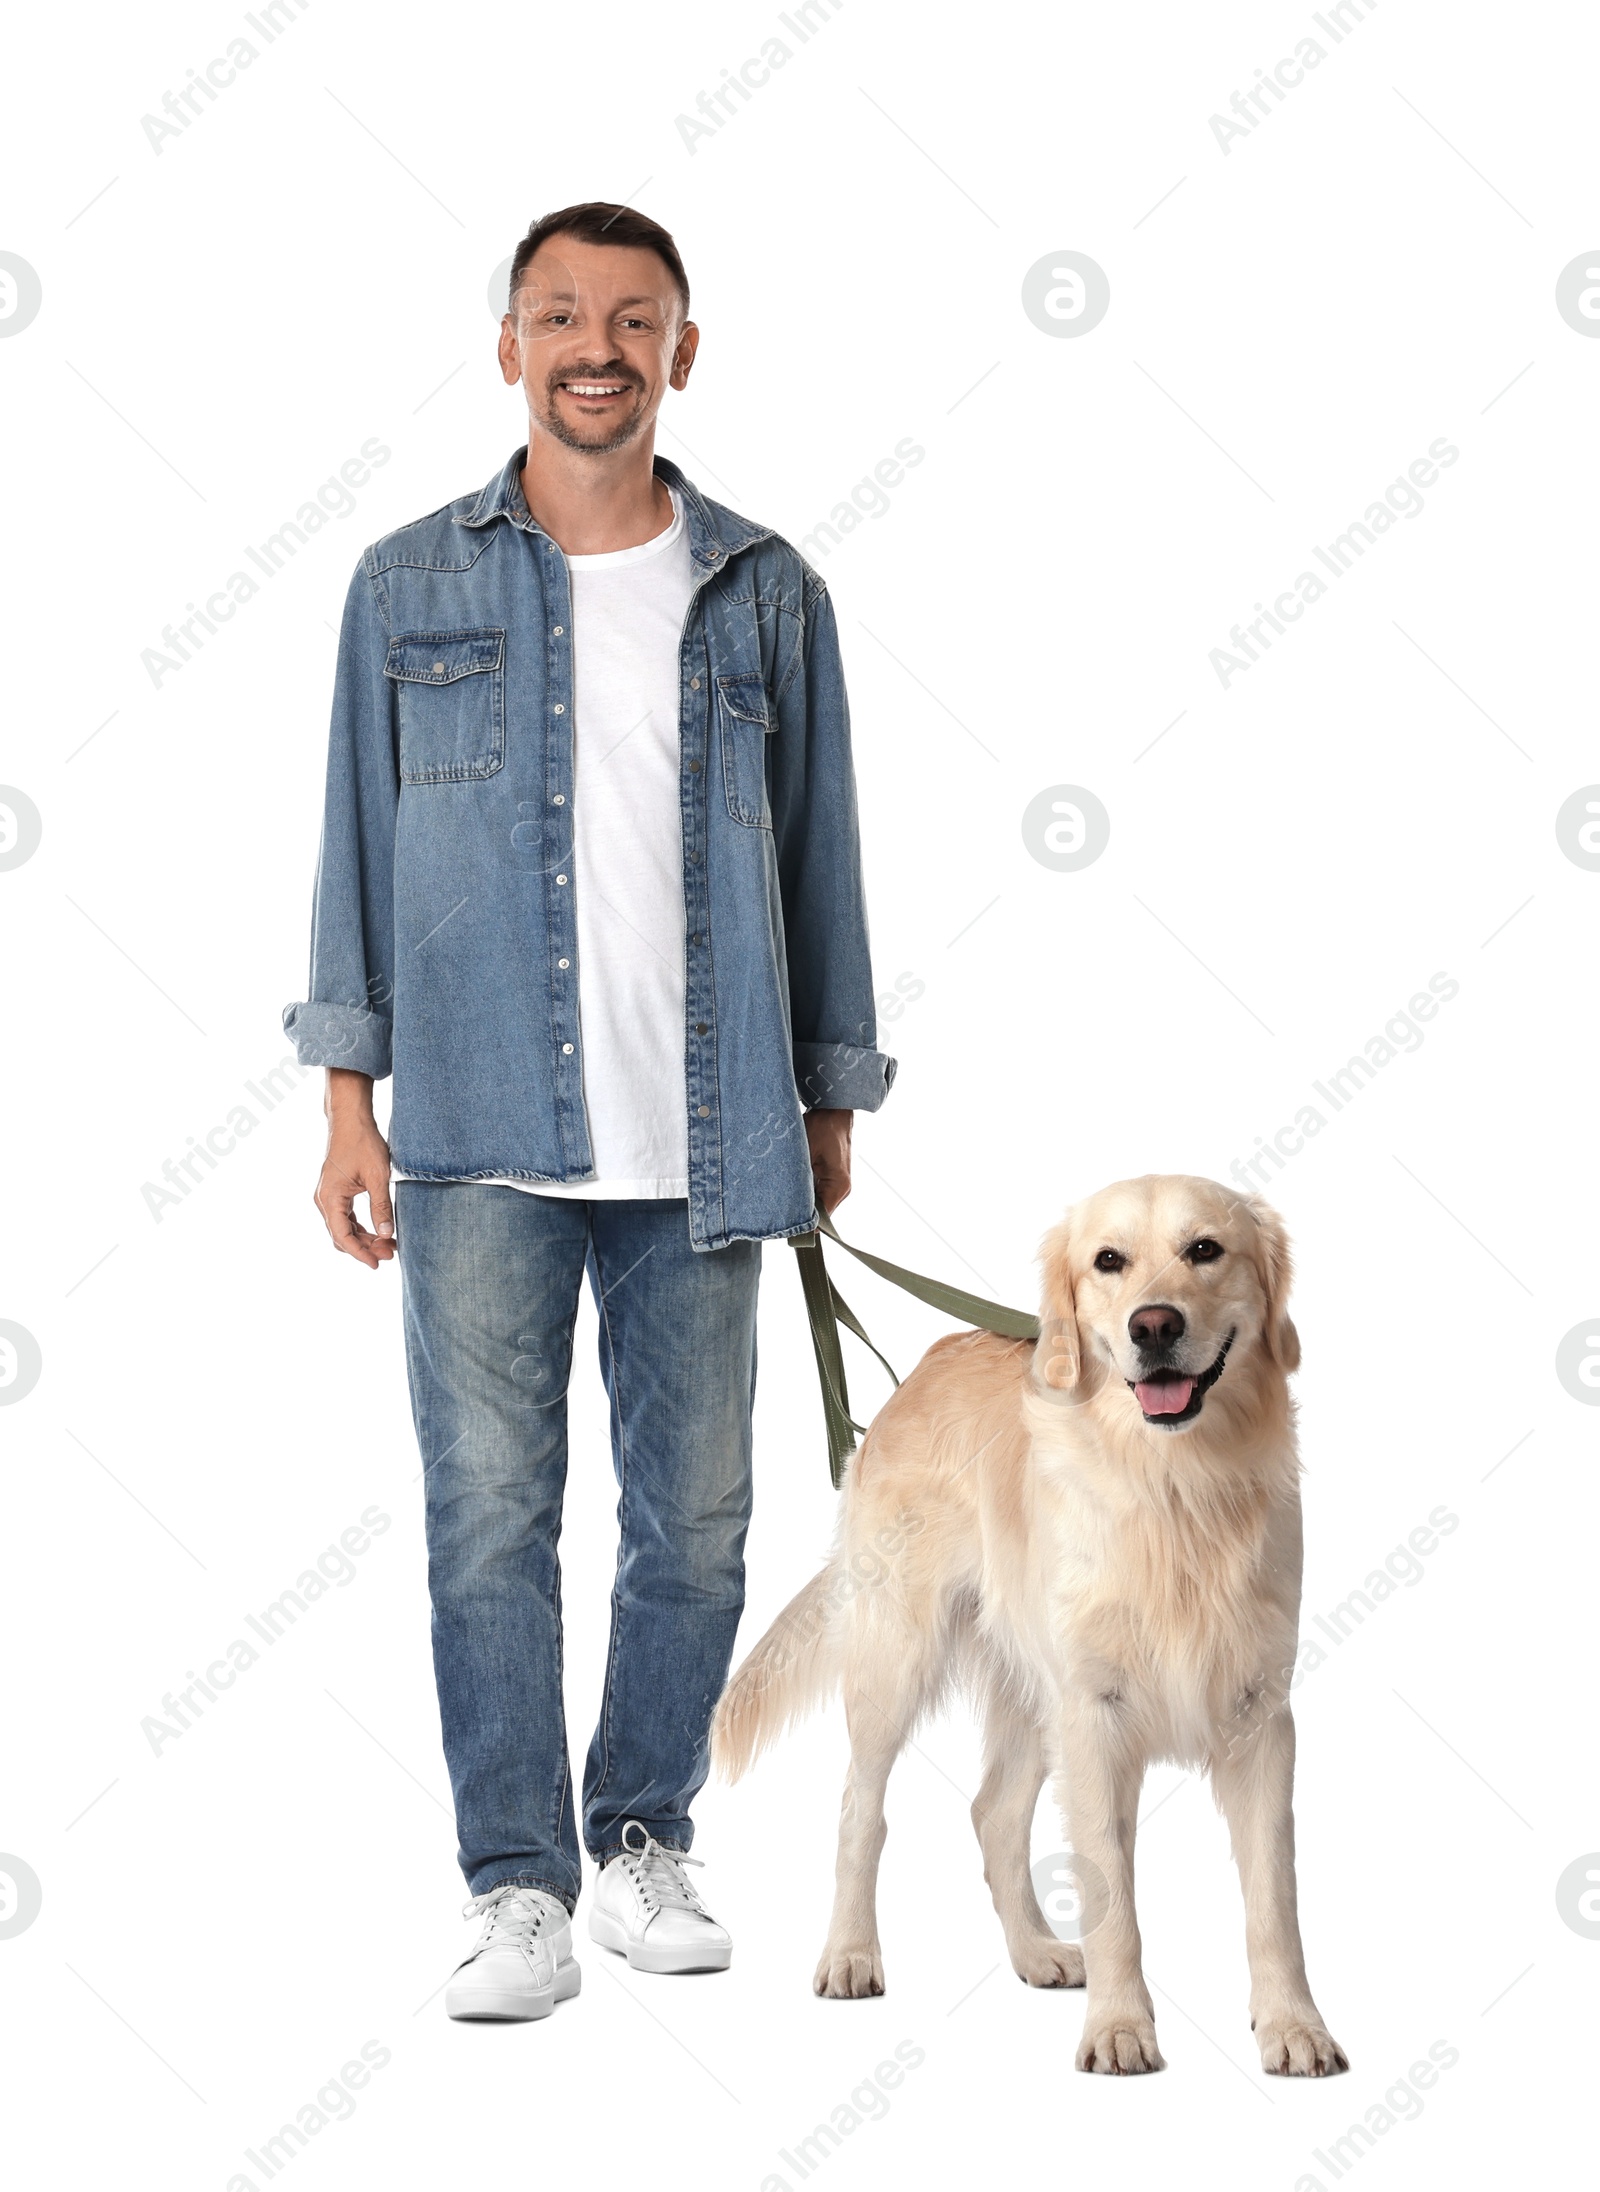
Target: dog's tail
(794, 1668)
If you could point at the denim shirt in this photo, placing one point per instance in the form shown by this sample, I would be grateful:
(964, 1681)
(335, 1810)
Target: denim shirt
(444, 939)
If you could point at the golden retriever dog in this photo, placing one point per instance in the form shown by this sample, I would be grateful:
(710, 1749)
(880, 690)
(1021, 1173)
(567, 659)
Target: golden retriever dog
(1097, 1536)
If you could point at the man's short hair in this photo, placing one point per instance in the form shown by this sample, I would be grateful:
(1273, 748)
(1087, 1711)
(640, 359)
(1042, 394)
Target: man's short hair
(595, 222)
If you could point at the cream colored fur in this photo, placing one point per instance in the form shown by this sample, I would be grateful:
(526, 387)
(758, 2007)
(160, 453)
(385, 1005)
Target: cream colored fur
(1108, 1591)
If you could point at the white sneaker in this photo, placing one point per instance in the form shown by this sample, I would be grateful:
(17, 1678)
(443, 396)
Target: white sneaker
(645, 1909)
(523, 1963)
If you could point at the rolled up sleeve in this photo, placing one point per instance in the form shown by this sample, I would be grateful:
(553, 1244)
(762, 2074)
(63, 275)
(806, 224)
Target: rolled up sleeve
(348, 1018)
(833, 1019)
(842, 1077)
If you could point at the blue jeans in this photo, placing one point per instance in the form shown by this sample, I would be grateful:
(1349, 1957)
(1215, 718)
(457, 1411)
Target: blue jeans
(491, 1279)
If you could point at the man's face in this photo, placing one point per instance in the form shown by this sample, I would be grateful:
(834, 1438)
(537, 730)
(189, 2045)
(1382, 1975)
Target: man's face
(596, 336)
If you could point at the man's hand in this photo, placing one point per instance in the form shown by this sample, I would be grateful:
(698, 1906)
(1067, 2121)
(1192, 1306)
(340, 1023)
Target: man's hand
(357, 1163)
(828, 1133)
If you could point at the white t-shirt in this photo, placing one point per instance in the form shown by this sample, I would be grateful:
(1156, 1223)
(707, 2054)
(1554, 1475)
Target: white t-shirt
(628, 611)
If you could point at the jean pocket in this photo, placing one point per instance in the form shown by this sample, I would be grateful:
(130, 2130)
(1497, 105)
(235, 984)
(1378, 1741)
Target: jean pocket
(746, 726)
(450, 688)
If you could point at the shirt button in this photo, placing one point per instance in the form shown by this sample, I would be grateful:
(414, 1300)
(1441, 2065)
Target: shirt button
(705, 1111)
(561, 879)
(566, 1050)
(694, 768)
(559, 709)
(700, 1027)
(563, 962)
(694, 853)
(438, 669)
(559, 800)
(694, 684)
(559, 629)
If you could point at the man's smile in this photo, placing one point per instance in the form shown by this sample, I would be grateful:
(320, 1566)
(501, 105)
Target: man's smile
(593, 391)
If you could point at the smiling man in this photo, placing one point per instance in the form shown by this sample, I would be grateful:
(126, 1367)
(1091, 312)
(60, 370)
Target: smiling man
(590, 888)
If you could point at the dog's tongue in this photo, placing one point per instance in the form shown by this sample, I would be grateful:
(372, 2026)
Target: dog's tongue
(1170, 1398)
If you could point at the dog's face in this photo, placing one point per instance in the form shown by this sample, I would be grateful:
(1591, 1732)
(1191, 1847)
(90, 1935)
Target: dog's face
(1165, 1288)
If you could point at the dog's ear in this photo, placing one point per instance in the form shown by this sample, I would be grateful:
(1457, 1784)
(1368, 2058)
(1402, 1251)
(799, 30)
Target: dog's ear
(1058, 1358)
(1277, 1273)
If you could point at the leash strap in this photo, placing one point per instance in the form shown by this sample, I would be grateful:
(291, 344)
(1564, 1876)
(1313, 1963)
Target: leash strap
(827, 1309)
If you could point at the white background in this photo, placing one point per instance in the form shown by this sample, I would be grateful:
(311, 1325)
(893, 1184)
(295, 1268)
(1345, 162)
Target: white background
(306, 266)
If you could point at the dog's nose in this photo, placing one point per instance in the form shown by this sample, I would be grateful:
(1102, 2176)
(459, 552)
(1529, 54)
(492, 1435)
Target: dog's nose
(1160, 1325)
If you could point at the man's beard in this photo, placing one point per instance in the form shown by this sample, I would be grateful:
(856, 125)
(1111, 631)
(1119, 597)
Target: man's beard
(572, 438)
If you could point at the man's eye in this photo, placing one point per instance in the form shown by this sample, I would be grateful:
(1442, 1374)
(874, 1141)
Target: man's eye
(1206, 1251)
(1109, 1259)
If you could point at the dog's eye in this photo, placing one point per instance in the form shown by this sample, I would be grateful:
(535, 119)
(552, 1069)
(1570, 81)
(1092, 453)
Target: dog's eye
(1203, 1251)
(1109, 1259)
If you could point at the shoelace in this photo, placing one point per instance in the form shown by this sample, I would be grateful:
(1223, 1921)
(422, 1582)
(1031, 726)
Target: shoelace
(513, 1917)
(657, 1873)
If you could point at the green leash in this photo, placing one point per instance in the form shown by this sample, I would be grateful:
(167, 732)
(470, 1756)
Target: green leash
(827, 1309)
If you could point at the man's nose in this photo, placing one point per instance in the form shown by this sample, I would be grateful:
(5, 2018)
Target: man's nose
(1158, 1325)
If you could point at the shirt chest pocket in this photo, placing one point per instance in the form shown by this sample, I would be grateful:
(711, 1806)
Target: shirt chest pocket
(746, 723)
(450, 694)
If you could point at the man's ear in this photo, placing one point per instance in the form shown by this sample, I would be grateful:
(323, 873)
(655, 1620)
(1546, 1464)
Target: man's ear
(683, 354)
(1058, 1358)
(1277, 1273)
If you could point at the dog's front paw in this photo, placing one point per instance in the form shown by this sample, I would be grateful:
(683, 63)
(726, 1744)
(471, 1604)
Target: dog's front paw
(1299, 2047)
(849, 1974)
(1119, 2045)
(1048, 1962)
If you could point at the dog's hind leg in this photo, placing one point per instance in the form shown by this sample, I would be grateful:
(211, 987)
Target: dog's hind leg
(1013, 1774)
(887, 1681)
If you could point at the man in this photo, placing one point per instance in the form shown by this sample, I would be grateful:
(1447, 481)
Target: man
(589, 886)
